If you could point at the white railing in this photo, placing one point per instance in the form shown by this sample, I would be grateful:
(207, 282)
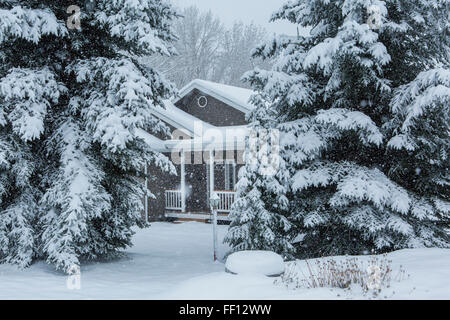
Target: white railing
(226, 200)
(173, 200)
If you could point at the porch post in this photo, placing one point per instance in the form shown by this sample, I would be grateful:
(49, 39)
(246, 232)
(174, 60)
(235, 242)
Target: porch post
(183, 182)
(234, 175)
(146, 193)
(211, 172)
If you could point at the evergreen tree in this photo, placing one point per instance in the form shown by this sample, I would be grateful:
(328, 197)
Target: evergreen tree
(421, 128)
(259, 214)
(72, 98)
(334, 95)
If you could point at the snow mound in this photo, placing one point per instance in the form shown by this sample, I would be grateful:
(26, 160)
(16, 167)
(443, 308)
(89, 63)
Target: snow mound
(265, 263)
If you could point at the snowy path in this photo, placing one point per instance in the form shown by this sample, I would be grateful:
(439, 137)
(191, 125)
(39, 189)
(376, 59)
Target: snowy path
(163, 256)
(173, 261)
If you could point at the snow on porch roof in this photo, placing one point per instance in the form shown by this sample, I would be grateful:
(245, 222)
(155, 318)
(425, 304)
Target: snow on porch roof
(216, 138)
(179, 119)
(234, 96)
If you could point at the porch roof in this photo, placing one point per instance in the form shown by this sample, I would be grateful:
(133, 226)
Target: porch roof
(224, 138)
(180, 119)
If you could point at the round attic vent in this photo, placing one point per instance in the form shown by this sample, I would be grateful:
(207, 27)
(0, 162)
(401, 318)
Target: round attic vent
(202, 101)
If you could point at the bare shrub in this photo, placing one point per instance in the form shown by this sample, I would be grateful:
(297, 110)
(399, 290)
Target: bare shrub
(370, 275)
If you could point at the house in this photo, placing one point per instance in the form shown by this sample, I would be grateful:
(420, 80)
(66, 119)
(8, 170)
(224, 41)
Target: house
(209, 130)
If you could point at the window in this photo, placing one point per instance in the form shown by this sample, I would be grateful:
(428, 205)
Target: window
(230, 175)
(202, 101)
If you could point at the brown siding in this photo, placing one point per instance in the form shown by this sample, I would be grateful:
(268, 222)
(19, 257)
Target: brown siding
(216, 112)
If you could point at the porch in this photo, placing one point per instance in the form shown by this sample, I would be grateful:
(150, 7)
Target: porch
(174, 206)
(197, 182)
(203, 167)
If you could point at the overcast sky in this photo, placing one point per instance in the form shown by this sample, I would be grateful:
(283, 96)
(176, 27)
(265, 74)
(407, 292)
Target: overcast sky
(258, 11)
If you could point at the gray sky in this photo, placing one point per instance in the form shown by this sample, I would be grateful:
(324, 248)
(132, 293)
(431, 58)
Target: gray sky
(258, 11)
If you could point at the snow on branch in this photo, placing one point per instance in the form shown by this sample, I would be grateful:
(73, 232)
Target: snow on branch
(428, 94)
(306, 138)
(139, 21)
(2, 117)
(16, 227)
(27, 94)
(75, 198)
(429, 88)
(352, 39)
(352, 120)
(364, 184)
(354, 184)
(4, 162)
(118, 99)
(29, 24)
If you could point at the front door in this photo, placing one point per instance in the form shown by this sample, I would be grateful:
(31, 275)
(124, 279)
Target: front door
(196, 185)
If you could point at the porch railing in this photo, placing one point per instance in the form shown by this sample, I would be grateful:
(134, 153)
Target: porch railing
(173, 200)
(226, 200)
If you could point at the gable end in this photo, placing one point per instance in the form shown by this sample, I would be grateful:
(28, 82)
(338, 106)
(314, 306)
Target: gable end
(214, 111)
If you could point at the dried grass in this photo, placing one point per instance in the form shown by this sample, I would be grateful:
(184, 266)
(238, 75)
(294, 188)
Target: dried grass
(370, 275)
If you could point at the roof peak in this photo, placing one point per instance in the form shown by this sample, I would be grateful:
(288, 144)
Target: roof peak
(219, 83)
(236, 97)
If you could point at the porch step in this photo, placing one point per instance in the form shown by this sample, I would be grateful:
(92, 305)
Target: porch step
(196, 216)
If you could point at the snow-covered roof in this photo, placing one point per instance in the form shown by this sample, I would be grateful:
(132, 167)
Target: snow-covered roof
(217, 138)
(234, 96)
(154, 142)
(180, 119)
(204, 135)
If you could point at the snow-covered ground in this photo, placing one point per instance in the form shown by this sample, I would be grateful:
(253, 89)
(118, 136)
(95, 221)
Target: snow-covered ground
(174, 261)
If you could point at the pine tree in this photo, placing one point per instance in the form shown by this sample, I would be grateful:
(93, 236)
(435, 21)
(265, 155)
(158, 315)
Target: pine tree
(259, 213)
(334, 95)
(72, 98)
(421, 128)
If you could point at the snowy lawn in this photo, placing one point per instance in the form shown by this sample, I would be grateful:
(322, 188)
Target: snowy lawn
(174, 261)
